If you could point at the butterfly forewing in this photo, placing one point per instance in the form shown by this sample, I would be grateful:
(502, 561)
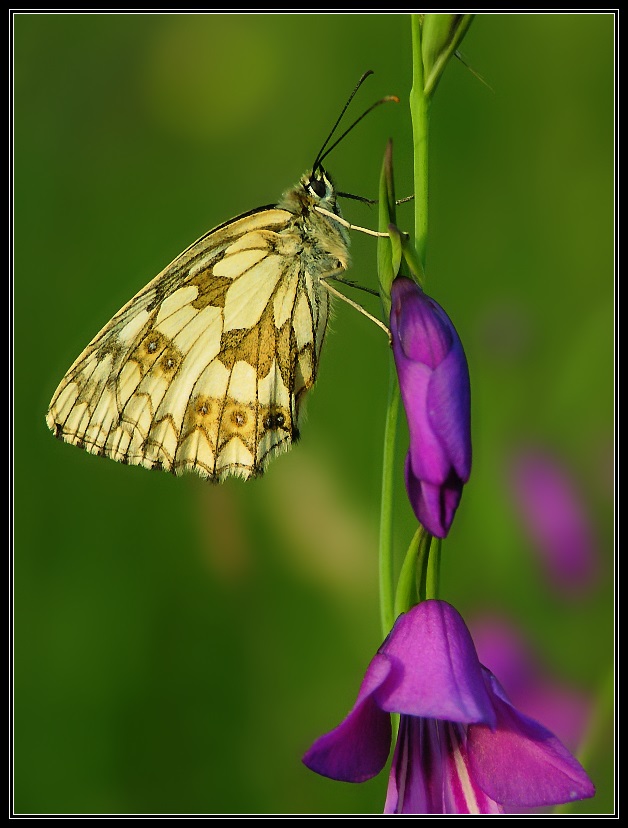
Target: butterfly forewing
(205, 369)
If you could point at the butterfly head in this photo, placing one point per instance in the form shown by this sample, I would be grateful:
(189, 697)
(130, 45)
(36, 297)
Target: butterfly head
(320, 188)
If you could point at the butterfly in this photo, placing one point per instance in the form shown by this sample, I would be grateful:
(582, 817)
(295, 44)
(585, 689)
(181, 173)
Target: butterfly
(206, 368)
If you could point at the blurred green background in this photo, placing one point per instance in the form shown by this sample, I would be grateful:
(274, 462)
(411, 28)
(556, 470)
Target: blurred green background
(178, 645)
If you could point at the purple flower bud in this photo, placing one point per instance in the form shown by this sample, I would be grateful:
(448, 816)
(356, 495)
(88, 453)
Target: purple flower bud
(434, 382)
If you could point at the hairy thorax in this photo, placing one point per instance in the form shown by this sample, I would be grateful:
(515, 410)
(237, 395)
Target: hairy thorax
(324, 242)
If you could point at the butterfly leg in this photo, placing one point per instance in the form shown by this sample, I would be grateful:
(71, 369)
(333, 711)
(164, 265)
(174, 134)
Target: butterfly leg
(325, 282)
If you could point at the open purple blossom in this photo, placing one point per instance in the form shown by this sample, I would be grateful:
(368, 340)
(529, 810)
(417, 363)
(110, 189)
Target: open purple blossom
(462, 748)
(556, 519)
(434, 382)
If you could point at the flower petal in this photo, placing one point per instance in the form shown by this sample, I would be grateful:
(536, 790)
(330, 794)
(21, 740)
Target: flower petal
(419, 325)
(436, 672)
(428, 455)
(358, 748)
(433, 505)
(521, 763)
(416, 761)
(449, 408)
(430, 774)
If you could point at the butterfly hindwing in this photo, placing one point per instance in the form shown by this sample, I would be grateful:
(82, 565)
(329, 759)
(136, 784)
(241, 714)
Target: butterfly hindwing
(204, 369)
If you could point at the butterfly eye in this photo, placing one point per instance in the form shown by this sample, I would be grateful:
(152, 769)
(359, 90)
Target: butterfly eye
(317, 186)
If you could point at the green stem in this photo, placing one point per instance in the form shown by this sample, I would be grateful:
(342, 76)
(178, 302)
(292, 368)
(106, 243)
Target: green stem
(406, 585)
(420, 111)
(432, 580)
(411, 583)
(421, 567)
(419, 108)
(386, 569)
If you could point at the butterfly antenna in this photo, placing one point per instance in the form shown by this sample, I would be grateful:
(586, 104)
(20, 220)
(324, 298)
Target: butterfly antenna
(323, 152)
(387, 99)
(339, 118)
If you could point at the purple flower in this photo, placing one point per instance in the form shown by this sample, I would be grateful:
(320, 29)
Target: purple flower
(462, 748)
(434, 381)
(556, 518)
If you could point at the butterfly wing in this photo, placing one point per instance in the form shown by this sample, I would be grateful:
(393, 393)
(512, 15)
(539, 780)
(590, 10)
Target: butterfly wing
(204, 370)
